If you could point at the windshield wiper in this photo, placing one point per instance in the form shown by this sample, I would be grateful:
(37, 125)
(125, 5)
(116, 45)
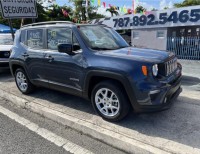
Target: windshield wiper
(97, 48)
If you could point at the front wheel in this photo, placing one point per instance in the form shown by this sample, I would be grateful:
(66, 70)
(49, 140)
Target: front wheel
(22, 82)
(110, 101)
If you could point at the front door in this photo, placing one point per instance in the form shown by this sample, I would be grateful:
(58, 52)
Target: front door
(63, 71)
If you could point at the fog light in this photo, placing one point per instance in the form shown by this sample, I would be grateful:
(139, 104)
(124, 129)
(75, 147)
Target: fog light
(154, 92)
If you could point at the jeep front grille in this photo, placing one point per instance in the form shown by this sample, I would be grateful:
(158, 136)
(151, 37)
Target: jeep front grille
(170, 66)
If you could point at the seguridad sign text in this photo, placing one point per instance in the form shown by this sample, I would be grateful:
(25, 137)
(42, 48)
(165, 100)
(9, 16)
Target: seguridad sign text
(18, 9)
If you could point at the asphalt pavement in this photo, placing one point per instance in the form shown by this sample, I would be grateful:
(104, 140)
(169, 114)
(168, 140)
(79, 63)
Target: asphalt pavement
(14, 138)
(175, 130)
(17, 139)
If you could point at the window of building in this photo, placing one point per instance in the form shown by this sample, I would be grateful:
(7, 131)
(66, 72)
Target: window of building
(58, 36)
(197, 32)
(135, 35)
(182, 32)
(35, 38)
(189, 32)
(174, 34)
(160, 34)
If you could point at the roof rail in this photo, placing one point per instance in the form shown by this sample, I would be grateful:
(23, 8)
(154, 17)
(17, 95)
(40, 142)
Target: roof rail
(48, 23)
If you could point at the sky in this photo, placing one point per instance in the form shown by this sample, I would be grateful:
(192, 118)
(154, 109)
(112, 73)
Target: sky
(148, 4)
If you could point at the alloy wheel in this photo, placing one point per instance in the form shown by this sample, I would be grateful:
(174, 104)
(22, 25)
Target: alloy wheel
(107, 102)
(21, 81)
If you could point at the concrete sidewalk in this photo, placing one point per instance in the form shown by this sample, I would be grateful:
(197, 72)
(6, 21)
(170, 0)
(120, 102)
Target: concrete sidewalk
(171, 131)
(191, 68)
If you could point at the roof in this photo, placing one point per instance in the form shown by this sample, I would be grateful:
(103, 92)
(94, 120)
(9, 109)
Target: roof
(49, 23)
(53, 24)
(5, 29)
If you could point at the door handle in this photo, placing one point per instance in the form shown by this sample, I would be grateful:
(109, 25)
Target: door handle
(50, 58)
(25, 55)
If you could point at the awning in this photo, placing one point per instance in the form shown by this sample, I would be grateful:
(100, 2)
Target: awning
(5, 29)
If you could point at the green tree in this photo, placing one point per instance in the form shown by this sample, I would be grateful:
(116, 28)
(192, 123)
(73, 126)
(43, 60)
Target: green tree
(187, 3)
(95, 15)
(113, 11)
(80, 11)
(42, 15)
(140, 9)
(154, 9)
(166, 7)
(56, 12)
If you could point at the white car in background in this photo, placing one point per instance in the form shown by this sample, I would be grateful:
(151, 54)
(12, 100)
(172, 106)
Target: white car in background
(6, 43)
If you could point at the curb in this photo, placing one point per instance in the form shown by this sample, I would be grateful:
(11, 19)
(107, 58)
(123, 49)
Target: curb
(116, 140)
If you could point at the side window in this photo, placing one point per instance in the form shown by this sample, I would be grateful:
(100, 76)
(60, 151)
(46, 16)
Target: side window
(160, 34)
(35, 38)
(23, 37)
(76, 45)
(58, 36)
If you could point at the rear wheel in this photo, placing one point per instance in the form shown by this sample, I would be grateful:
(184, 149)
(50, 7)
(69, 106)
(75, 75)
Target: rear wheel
(22, 81)
(110, 101)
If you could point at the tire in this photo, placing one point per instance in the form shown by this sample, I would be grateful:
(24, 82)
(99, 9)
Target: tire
(22, 81)
(115, 101)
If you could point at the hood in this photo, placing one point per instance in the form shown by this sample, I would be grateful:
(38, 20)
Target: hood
(139, 54)
(5, 47)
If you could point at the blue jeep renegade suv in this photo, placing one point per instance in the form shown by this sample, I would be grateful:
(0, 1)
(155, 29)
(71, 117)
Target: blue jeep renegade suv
(94, 62)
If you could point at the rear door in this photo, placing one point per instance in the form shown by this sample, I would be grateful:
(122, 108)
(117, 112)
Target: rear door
(34, 56)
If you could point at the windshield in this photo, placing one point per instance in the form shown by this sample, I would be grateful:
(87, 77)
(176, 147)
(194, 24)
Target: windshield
(6, 39)
(102, 38)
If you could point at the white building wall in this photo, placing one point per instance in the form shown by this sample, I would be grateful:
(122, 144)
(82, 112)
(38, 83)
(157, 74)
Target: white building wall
(150, 38)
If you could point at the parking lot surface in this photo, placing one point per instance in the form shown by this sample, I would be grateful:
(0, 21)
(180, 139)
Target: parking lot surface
(175, 130)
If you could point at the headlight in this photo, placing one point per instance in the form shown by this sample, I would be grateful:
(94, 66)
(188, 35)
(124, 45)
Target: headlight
(6, 54)
(155, 70)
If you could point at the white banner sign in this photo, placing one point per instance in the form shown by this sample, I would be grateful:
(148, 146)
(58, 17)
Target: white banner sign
(152, 19)
(18, 9)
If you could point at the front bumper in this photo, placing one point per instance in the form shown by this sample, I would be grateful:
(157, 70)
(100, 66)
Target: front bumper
(162, 100)
(160, 97)
(4, 63)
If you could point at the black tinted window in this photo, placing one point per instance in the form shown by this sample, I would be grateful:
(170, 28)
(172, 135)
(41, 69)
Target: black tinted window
(58, 36)
(23, 36)
(35, 38)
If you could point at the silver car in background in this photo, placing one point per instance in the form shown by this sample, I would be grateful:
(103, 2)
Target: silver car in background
(6, 43)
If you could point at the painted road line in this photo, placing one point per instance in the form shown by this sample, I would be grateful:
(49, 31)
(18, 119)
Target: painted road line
(110, 137)
(57, 140)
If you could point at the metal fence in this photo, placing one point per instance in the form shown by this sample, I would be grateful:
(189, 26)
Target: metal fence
(185, 47)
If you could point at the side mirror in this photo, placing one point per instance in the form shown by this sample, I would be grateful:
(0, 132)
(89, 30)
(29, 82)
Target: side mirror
(65, 48)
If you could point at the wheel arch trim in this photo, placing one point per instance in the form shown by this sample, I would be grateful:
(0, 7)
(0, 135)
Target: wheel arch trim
(110, 75)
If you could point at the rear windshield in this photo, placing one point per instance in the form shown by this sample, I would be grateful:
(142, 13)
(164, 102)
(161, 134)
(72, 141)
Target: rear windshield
(6, 39)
